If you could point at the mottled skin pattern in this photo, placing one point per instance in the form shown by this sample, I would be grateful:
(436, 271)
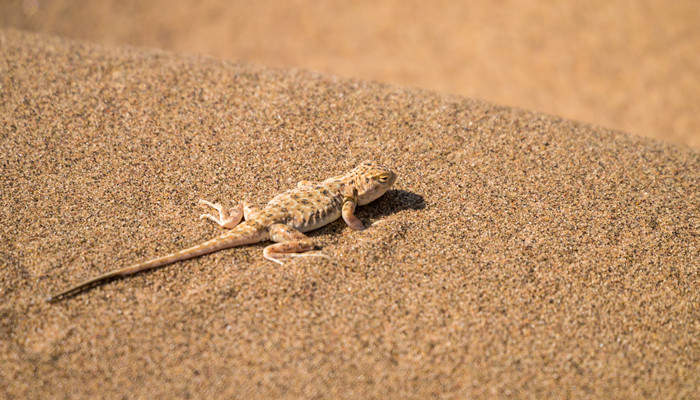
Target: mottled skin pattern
(283, 220)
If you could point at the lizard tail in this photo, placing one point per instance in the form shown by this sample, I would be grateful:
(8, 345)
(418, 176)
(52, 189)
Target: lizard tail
(245, 233)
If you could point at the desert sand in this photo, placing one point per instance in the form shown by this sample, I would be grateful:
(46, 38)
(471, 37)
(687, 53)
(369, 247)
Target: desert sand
(519, 255)
(627, 65)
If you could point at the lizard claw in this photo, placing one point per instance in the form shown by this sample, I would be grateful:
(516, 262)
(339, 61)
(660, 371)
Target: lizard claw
(277, 258)
(308, 254)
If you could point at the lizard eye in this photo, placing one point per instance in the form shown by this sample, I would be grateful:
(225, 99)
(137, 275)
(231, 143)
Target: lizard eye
(383, 178)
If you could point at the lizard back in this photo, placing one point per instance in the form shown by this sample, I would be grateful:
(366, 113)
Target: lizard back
(305, 209)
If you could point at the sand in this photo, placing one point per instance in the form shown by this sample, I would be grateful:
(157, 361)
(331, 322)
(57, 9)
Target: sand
(627, 65)
(519, 255)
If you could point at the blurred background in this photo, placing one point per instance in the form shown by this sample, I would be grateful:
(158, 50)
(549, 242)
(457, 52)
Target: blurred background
(629, 65)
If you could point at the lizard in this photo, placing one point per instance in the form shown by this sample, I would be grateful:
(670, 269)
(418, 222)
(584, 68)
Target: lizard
(283, 220)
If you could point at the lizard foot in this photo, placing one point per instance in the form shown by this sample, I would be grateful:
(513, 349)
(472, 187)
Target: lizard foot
(277, 256)
(227, 218)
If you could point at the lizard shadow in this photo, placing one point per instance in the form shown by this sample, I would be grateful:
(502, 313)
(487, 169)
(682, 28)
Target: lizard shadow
(393, 201)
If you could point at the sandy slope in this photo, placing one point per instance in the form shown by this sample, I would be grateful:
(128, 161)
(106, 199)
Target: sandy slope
(626, 64)
(520, 254)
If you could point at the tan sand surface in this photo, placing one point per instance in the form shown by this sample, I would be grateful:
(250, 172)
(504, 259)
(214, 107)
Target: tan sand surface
(520, 255)
(631, 65)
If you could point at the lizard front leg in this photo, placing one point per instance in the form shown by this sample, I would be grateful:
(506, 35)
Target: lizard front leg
(227, 218)
(349, 215)
(290, 243)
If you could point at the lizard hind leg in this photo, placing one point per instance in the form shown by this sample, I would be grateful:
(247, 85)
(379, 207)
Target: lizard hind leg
(227, 218)
(290, 243)
(250, 211)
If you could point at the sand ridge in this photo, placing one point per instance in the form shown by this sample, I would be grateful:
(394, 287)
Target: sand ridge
(623, 65)
(520, 255)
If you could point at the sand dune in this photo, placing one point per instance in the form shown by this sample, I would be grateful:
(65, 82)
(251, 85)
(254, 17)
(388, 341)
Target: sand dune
(626, 65)
(519, 255)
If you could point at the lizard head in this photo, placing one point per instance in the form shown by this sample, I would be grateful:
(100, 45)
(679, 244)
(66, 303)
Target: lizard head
(370, 181)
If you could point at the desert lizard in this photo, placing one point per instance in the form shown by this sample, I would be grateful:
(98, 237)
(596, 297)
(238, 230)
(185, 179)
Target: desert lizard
(283, 220)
